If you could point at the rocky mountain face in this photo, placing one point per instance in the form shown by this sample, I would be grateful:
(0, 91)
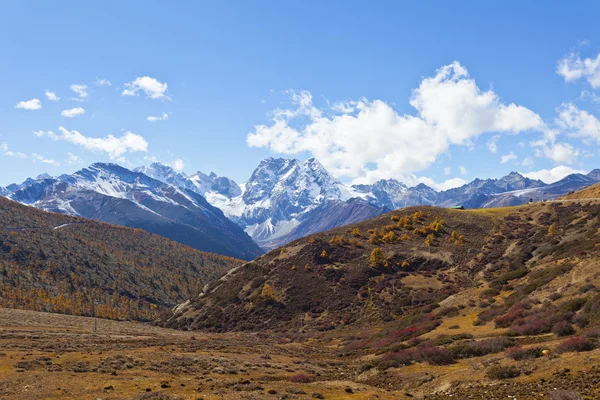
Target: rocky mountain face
(111, 193)
(283, 200)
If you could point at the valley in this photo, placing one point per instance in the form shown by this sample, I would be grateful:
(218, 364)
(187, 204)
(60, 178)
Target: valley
(422, 302)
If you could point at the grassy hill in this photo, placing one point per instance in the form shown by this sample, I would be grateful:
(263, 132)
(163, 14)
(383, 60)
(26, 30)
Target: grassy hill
(590, 192)
(493, 292)
(52, 262)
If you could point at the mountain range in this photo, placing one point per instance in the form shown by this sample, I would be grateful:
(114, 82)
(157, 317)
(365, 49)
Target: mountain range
(284, 199)
(111, 193)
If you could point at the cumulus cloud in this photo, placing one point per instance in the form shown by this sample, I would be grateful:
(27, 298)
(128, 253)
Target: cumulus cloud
(552, 175)
(103, 82)
(37, 157)
(163, 117)
(450, 110)
(508, 157)
(560, 153)
(527, 162)
(72, 112)
(178, 165)
(5, 151)
(51, 96)
(73, 159)
(447, 171)
(572, 68)
(80, 90)
(447, 184)
(114, 146)
(578, 123)
(492, 144)
(150, 86)
(33, 104)
(463, 170)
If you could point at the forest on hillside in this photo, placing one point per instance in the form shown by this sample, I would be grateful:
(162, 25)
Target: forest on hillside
(56, 263)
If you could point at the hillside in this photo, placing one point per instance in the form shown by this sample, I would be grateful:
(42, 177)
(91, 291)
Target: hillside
(56, 263)
(485, 290)
(590, 192)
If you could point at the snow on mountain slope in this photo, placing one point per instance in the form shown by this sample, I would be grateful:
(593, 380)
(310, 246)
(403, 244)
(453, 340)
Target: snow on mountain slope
(111, 193)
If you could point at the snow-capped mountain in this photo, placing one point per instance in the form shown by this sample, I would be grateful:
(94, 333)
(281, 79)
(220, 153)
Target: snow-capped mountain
(276, 204)
(111, 193)
(283, 200)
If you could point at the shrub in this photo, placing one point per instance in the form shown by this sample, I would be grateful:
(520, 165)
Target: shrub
(519, 353)
(503, 372)
(396, 359)
(434, 355)
(577, 343)
(356, 232)
(377, 258)
(300, 378)
(479, 348)
(563, 328)
(534, 327)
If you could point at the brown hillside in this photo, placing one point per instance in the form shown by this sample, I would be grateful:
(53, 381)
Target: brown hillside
(491, 292)
(590, 192)
(52, 262)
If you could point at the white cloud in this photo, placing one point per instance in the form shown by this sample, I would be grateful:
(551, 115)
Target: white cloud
(178, 165)
(447, 184)
(103, 82)
(163, 117)
(8, 153)
(578, 123)
(73, 159)
(508, 157)
(492, 144)
(73, 112)
(33, 104)
(150, 86)
(447, 171)
(451, 110)
(560, 153)
(114, 146)
(527, 162)
(552, 175)
(37, 157)
(80, 90)
(463, 170)
(51, 96)
(572, 68)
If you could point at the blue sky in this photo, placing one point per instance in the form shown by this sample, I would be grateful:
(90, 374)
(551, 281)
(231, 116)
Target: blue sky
(372, 89)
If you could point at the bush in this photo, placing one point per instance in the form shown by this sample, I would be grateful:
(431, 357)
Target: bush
(518, 353)
(503, 372)
(534, 327)
(563, 328)
(479, 348)
(300, 378)
(434, 355)
(577, 344)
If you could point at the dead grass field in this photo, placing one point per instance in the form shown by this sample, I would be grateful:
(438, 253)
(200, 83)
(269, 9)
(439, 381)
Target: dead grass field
(52, 356)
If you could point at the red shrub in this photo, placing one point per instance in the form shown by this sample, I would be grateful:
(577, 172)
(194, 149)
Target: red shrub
(577, 344)
(434, 355)
(300, 378)
(563, 328)
(518, 353)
